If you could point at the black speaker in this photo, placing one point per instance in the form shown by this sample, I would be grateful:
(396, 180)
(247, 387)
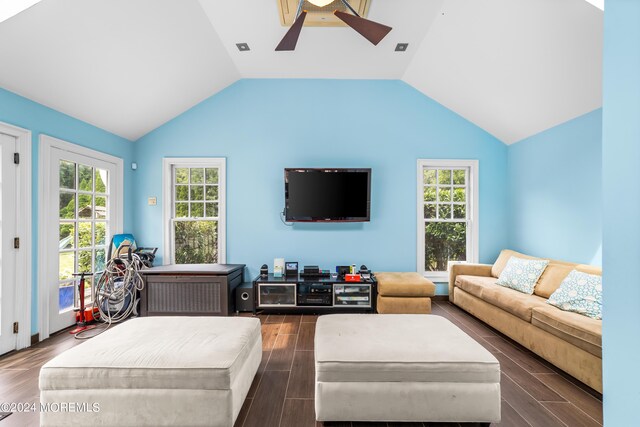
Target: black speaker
(244, 297)
(264, 271)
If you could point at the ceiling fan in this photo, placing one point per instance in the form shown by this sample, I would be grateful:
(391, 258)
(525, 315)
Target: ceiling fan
(372, 31)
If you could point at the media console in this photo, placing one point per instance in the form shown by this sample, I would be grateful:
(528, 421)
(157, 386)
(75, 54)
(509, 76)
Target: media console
(314, 295)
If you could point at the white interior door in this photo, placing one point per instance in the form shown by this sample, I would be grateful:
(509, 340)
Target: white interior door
(82, 220)
(8, 231)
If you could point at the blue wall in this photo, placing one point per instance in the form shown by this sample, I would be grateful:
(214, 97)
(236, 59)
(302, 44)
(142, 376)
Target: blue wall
(263, 126)
(21, 112)
(555, 192)
(621, 188)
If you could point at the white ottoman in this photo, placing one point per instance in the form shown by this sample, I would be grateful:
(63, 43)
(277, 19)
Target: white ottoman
(155, 371)
(402, 367)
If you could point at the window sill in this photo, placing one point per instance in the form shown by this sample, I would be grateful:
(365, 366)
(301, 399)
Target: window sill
(437, 276)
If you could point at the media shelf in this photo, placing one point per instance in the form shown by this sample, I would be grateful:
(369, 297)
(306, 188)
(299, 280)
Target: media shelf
(313, 295)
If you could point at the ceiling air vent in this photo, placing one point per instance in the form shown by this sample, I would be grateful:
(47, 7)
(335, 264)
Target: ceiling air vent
(319, 16)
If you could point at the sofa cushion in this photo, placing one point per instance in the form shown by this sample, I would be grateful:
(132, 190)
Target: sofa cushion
(552, 276)
(503, 259)
(475, 285)
(556, 272)
(580, 293)
(522, 274)
(402, 284)
(581, 331)
(589, 269)
(511, 301)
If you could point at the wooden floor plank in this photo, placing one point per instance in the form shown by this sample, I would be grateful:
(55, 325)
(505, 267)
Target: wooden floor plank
(266, 354)
(243, 412)
(275, 318)
(22, 419)
(580, 398)
(529, 408)
(309, 318)
(302, 380)
(266, 407)
(282, 353)
(269, 334)
(509, 417)
(290, 324)
(306, 336)
(534, 386)
(521, 356)
(570, 415)
(298, 413)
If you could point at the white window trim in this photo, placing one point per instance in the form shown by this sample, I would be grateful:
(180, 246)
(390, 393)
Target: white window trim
(23, 257)
(47, 234)
(472, 249)
(167, 188)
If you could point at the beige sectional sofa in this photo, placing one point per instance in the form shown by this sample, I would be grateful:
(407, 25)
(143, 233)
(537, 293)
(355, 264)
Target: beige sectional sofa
(570, 341)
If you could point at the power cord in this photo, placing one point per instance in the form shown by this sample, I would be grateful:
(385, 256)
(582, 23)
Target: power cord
(282, 218)
(115, 292)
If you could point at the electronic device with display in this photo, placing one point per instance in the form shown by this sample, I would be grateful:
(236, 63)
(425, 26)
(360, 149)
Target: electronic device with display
(291, 269)
(327, 195)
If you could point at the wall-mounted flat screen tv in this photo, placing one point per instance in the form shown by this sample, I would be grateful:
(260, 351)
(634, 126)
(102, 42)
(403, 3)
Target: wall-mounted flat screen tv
(327, 195)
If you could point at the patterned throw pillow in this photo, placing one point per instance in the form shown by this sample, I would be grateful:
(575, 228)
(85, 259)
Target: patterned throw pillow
(522, 274)
(581, 293)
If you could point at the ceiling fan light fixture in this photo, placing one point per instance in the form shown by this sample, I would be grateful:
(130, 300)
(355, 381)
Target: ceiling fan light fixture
(320, 3)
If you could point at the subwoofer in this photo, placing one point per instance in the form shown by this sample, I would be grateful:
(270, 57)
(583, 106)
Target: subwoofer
(244, 297)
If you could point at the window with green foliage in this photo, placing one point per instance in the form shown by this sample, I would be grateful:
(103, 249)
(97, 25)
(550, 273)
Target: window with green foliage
(83, 225)
(197, 204)
(446, 215)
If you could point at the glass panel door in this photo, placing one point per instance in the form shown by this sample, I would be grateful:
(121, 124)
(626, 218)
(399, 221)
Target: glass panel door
(83, 226)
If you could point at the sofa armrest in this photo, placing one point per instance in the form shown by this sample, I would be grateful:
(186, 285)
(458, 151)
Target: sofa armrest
(468, 270)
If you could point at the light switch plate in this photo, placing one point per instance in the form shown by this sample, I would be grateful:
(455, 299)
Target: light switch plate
(153, 201)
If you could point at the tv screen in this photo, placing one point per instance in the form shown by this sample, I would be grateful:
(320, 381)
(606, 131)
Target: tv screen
(327, 194)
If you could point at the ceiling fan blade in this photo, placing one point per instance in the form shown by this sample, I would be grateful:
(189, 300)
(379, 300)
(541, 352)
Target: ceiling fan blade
(370, 30)
(290, 39)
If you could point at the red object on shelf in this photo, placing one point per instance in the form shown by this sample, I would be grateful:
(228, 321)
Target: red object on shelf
(351, 277)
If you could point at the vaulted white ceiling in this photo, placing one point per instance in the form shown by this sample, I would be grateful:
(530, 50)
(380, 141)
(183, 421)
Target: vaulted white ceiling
(513, 67)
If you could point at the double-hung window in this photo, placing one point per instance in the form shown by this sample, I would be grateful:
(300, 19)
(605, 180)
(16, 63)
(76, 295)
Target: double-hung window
(194, 194)
(447, 215)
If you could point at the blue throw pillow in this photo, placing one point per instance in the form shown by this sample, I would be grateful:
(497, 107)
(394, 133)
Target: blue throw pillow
(522, 274)
(580, 293)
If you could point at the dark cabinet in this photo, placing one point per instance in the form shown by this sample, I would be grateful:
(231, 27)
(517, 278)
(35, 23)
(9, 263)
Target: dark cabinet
(190, 290)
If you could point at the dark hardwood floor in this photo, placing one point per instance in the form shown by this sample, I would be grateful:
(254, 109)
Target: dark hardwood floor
(534, 393)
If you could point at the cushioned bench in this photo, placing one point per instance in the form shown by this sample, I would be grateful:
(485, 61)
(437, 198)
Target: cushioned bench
(156, 371)
(404, 293)
(402, 368)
